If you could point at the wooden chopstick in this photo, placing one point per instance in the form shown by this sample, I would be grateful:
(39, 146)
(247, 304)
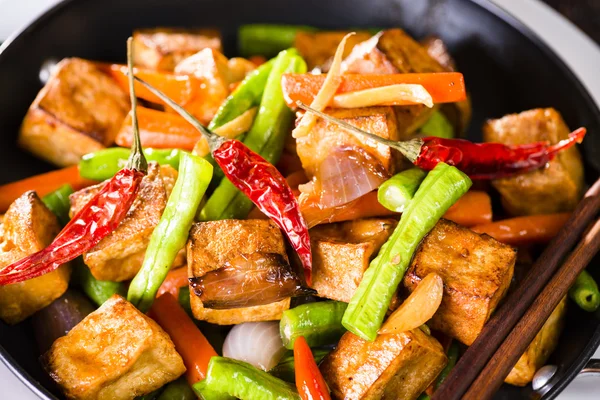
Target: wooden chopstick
(516, 304)
(507, 355)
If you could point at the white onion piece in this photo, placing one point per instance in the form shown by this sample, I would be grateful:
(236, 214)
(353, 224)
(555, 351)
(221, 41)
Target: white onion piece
(257, 343)
(400, 94)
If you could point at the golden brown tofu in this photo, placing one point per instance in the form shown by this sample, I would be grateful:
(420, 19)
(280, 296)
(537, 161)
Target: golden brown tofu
(27, 227)
(393, 367)
(119, 256)
(476, 270)
(326, 137)
(540, 348)
(115, 353)
(318, 48)
(212, 244)
(80, 110)
(164, 48)
(552, 189)
(342, 252)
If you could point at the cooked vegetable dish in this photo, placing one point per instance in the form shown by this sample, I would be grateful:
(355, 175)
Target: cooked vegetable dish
(305, 221)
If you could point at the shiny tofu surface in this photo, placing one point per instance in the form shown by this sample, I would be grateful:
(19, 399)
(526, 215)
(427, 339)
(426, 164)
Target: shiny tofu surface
(212, 244)
(318, 48)
(342, 252)
(119, 256)
(27, 227)
(552, 189)
(115, 353)
(79, 110)
(164, 48)
(393, 367)
(476, 270)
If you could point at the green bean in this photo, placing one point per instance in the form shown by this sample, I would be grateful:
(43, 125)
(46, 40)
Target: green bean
(395, 193)
(585, 292)
(268, 39)
(320, 323)
(171, 233)
(442, 187)
(243, 381)
(104, 164)
(177, 390)
(98, 291)
(285, 369)
(438, 125)
(184, 299)
(58, 202)
(452, 354)
(266, 137)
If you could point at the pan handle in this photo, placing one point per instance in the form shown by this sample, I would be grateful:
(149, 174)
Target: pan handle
(592, 367)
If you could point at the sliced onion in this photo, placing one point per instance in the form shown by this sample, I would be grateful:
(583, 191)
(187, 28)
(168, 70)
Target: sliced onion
(257, 343)
(418, 308)
(398, 95)
(230, 130)
(323, 98)
(248, 280)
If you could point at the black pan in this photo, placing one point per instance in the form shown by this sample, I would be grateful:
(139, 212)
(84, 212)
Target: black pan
(507, 69)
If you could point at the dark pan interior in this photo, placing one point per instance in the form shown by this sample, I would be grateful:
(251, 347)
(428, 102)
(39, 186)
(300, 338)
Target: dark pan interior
(506, 69)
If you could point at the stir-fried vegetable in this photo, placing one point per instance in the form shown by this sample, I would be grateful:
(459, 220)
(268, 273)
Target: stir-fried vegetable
(309, 381)
(175, 280)
(474, 208)
(268, 39)
(257, 343)
(227, 377)
(177, 390)
(58, 203)
(525, 230)
(452, 353)
(170, 235)
(286, 369)
(440, 189)
(399, 94)
(104, 164)
(439, 126)
(98, 291)
(319, 323)
(585, 292)
(395, 193)
(230, 130)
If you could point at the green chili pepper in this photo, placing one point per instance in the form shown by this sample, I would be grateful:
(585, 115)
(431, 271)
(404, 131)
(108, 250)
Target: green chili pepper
(268, 39)
(171, 233)
(58, 202)
(98, 291)
(285, 369)
(452, 354)
(320, 323)
(395, 193)
(104, 164)
(442, 187)
(585, 292)
(438, 125)
(177, 390)
(266, 137)
(184, 299)
(243, 381)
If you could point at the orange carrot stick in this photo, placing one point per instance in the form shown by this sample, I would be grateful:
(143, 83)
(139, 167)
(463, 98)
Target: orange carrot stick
(525, 230)
(175, 280)
(189, 342)
(42, 184)
(474, 208)
(444, 87)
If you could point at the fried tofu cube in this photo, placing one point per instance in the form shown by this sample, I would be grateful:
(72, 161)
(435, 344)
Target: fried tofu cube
(164, 48)
(540, 348)
(79, 111)
(119, 255)
(318, 48)
(342, 253)
(212, 244)
(393, 367)
(27, 227)
(476, 270)
(115, 353)
(551, 189)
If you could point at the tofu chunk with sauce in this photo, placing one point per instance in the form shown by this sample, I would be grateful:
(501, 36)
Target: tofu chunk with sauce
(115, 353)
(342, 252)
(27, 227)
(164, 48)
(318, 48)
(558, 186)
(476, 270)
(79, 111)
(393, 367)
(212, 244)
(119, 255)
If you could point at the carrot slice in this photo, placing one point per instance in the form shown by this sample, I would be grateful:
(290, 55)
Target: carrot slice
(42, 184)
(474, 208)
(175, 280)
(444, 87)
(525, 230)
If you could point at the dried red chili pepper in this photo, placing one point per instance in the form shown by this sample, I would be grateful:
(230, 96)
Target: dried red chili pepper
(259, 180)
(478, 160)
(99, 217)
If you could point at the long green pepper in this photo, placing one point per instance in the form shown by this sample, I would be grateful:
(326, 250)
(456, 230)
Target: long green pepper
(585, 292)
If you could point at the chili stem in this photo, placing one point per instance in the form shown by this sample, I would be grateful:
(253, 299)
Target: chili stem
(136, 159)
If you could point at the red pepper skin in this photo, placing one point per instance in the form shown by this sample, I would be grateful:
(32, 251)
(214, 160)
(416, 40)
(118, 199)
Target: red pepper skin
(309, 381)
(100, 216)
(267, 188)
(491, 160)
